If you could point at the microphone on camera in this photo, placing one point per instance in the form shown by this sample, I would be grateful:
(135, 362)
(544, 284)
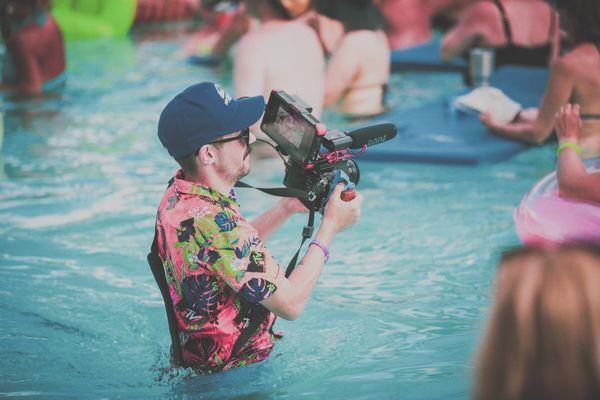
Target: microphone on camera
(372, 135)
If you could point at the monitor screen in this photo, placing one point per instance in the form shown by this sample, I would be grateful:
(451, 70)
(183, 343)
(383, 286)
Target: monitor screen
(291, 132)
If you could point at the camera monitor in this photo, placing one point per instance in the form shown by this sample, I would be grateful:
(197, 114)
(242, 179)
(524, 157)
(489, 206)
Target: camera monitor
(289, 123)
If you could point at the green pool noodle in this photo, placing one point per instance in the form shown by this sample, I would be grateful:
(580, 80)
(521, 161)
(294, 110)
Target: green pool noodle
(88, 19)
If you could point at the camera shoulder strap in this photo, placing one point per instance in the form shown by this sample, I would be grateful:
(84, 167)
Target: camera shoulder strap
(279, 192)
(308, 229)
(306, 234)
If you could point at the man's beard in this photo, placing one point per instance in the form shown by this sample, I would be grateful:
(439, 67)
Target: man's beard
(233, 177)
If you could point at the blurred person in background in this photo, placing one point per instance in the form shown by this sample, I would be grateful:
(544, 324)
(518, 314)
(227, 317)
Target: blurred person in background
(35, 52)
(542, 339)
(359, 68)
(329, 31)
(574, 78)
(223, 24)
(165, 10)
(281, 53)
(524, 32)
(574, 182)
(407, 22)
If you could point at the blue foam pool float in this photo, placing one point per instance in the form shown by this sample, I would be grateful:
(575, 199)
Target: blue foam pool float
(435, 133)
(425, 57)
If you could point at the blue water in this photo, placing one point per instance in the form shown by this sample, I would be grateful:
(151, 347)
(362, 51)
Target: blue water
(398, 310)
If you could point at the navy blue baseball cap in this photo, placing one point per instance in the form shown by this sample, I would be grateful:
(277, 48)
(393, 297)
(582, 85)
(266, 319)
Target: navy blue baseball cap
(201, 113)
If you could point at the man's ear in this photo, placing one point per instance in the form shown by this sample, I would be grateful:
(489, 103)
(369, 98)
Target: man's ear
(207, 155)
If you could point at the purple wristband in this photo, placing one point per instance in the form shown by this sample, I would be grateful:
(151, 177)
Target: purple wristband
(322, 246)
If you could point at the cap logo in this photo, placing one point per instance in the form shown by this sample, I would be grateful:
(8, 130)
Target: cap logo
(226, 98)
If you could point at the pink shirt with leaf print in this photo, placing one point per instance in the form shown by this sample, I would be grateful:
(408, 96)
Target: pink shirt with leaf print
(215, 267)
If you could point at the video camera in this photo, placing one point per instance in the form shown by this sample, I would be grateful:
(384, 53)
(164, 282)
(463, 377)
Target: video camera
(318, 159)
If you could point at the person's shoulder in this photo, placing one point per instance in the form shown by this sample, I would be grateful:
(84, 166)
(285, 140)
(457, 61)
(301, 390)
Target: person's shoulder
(576, 60)
(363, 39)
(482, 12)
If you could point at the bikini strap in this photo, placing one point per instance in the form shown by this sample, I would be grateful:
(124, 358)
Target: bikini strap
(505, 23)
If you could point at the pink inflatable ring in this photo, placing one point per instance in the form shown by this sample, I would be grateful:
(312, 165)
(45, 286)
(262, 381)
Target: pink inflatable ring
(544, 218)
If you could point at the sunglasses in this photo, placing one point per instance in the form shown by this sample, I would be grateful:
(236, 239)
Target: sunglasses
(244, 135)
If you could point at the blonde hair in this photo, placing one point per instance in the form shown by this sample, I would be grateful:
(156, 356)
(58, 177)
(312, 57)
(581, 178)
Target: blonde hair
(543, 335)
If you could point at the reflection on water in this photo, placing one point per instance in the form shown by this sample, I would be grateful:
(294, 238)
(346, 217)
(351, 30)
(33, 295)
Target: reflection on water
(397, 311)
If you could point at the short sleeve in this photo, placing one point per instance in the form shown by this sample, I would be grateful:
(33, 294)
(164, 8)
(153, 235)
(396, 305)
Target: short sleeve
(236, 255)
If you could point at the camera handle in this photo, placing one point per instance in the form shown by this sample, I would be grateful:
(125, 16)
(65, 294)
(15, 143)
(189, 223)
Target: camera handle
(307, 231)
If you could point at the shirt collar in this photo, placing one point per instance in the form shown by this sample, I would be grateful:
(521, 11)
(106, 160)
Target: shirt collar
(183, 186)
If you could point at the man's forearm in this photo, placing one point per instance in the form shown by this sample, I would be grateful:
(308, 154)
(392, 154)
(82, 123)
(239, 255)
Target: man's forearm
(305, 276)
(268, 222)
(293, 293)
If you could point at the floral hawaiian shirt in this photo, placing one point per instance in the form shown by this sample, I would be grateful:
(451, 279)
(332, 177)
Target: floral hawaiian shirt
(215, 266)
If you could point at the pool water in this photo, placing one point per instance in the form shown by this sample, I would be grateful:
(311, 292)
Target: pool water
(398, 310)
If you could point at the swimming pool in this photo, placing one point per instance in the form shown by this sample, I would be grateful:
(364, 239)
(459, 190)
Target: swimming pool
(398, 310)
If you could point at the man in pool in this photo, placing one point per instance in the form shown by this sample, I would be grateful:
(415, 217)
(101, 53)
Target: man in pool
(225, 286)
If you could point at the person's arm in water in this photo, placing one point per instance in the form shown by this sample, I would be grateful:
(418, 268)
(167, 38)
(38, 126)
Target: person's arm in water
(536, 131)
(573, 180)
(470, 30)
(341, 71)
(267, 223)
(292, 293)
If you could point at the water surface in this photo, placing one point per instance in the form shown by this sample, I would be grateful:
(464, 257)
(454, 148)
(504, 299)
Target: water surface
(399, 307)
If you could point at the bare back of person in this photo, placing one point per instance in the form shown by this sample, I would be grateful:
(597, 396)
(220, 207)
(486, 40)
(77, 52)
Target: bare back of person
(407, 22)
(529, 21)
(583, 66)
(522, 24)
(281, 54)
(358, 72)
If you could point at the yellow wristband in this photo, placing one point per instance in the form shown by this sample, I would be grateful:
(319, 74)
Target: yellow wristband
(568, 145)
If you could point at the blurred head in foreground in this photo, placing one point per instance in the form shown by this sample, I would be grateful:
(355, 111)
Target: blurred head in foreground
(543, 336)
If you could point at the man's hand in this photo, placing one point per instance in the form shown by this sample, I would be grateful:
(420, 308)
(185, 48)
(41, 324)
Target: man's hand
(568, 123)
(339, 213)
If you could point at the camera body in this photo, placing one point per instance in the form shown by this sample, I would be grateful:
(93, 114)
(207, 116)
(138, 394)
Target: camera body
(318, 158)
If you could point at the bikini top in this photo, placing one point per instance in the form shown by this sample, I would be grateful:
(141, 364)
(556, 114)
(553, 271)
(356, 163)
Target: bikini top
(513, 53)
